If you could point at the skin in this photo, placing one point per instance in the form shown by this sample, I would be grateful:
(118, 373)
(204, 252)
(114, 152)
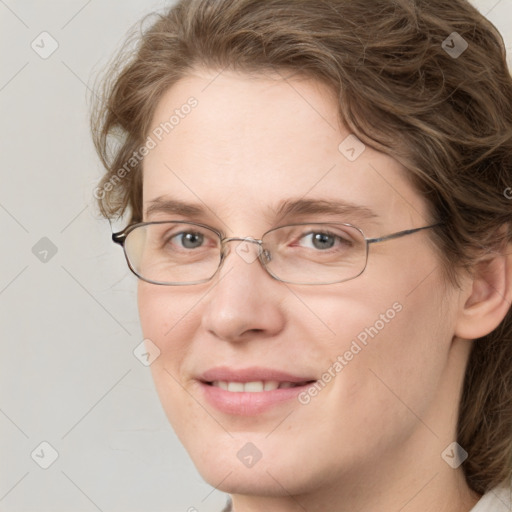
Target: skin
(373, 437)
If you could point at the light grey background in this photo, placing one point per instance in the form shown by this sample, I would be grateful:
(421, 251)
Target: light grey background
(69, 323)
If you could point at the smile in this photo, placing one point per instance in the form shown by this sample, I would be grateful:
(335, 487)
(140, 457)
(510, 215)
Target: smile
(255, 386)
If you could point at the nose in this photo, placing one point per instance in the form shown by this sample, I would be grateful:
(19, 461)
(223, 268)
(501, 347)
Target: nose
(244, 300)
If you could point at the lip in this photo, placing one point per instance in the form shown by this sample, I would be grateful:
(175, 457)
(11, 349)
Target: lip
(250, 375)
(245, 403)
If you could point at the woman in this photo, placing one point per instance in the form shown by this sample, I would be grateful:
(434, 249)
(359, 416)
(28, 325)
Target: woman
(320, 224)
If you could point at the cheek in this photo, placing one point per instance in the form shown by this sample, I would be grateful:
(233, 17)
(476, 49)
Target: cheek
(164, 311)
(393, 360)
(390, 341)
(165, 318)
(154, 309)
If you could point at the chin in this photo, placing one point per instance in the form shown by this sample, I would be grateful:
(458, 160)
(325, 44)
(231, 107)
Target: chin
(250, 463)
(260, 481)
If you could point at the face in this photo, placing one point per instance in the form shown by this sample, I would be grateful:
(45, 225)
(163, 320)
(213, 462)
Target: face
(377, 347)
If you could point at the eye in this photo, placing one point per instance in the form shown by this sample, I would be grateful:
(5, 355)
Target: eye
(324, 240)
(188, 239)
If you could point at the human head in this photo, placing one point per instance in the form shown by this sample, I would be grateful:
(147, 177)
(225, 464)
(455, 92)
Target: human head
(447, 120)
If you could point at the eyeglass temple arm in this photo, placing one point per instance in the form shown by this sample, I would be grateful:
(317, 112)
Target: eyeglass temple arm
(400, 234)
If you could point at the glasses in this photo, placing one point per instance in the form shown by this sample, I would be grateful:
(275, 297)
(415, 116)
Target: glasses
(184, 253)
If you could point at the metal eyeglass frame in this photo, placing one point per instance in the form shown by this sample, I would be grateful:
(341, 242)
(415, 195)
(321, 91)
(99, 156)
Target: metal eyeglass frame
(120, 238)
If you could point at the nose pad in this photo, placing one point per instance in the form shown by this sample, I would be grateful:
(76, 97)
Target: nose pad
(266, 256)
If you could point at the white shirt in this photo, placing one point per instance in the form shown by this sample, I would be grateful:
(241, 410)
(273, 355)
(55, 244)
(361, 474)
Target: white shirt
(498, 499)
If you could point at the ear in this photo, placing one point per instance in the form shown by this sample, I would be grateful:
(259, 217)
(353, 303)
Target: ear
(488, 296)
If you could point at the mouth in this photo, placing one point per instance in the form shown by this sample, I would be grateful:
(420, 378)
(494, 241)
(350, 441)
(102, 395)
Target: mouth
(257, 386)
(251, 391)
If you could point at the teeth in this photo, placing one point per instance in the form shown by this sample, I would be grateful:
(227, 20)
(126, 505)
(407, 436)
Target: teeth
(252, 387)
(271, 384)
(235, 387)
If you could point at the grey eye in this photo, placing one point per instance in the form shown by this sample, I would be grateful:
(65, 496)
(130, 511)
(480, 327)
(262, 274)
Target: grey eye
(322, 240)
(190, 240)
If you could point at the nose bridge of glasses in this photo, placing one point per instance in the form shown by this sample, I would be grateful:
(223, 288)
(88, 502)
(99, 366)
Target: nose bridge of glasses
(241, 239)
(249, 248)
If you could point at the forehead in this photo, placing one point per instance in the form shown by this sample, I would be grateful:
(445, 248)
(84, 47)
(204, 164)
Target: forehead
(249, 143)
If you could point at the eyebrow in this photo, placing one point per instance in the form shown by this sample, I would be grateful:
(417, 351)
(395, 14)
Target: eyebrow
(174, 206)
(302, 207)
(285, 209)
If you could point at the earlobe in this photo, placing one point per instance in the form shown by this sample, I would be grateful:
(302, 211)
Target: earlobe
(489, 296)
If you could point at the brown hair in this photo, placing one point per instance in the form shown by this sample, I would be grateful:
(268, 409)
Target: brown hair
(446, 116)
